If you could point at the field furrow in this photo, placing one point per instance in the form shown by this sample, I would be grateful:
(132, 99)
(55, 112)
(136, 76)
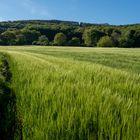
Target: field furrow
(76, 93)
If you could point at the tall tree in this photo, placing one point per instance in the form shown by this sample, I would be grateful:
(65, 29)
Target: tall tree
(30, 35)
(91, 37)
(127, 40)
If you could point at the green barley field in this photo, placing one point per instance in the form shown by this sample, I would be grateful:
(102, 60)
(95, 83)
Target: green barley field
(65, 93)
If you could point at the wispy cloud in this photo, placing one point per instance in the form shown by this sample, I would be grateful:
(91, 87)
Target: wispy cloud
(2, 19)
(35, 8)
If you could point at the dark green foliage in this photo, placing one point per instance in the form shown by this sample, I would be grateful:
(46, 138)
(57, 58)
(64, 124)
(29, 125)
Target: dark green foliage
(136, 37)
(20, 39)
(91, 37)
(28, 33)
(8, 38)
(75, 41)
(115, 36)
(127, 39)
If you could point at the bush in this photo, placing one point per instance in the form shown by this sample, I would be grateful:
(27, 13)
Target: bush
(60, 39)
(105, 41)
(43, 40)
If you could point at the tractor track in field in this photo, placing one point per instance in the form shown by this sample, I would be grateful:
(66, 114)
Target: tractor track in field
(10, 126)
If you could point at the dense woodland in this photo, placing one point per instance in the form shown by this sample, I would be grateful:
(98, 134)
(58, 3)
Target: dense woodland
(68, 33)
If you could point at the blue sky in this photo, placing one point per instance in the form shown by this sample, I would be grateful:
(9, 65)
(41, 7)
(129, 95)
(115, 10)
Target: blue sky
(94, 11)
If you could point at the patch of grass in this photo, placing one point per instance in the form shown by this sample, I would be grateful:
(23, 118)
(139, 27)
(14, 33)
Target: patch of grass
(77, 93)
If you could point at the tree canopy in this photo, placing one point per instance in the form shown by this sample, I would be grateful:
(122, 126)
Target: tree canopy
(68, 33)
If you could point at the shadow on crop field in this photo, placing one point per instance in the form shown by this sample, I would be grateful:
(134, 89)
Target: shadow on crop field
(10, 126)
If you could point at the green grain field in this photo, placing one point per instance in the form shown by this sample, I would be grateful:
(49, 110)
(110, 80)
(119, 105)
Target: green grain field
(65, 93)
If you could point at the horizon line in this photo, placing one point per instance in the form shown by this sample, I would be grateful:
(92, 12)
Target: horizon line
(105, 23)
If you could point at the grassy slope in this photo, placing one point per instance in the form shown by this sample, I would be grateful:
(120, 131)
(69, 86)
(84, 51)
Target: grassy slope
(77, 93)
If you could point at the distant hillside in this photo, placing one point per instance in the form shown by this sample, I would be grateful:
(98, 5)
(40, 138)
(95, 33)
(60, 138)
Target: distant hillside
(68, 33)
(53, 21)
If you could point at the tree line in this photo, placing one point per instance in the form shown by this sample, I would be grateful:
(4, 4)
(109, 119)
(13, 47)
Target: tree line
(61, 33)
